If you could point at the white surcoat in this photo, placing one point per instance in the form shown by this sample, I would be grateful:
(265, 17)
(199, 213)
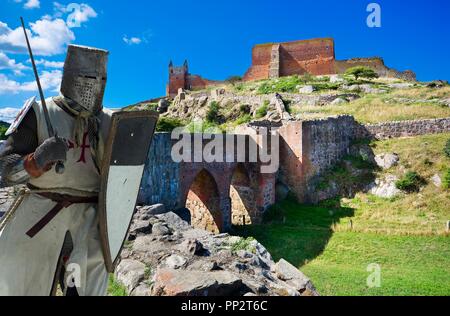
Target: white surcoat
(28, 265)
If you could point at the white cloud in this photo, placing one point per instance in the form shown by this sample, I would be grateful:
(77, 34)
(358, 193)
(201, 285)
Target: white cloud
(8, 86)
(132, 40)
(32, 4)
(49, 64)
(47, 37)
(11, 64)
(8, 114)
(77, 13)
(136, 40)
(50, 81)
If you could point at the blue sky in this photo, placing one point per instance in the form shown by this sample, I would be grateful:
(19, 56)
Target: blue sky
(216, 37)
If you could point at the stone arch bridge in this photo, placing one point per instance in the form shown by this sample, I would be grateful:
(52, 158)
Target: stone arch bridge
(217, 194)
(221, 194)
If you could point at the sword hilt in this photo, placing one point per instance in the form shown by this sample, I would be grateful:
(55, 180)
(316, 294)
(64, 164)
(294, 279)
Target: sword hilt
(60, 168)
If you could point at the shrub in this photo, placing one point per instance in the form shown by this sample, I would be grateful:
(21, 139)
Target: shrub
(284, 84)
(326, 86)
(239, 86)
(245, 108)
(115, 288)
(243, 119)
(447, 148)
(212, 115)
(168, 124)
(262, 111)
(151, 106)
(446, 180)
(410, 182)
(234, 79)
(361, 72)
(307, 77)
(202, 127)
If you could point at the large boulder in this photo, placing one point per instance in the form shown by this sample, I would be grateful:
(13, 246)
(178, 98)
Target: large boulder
(171, 282)
(336, 79)
(436, 180)
(385, 187)
(130, 273)
(181, 260)
(155, 209)
(339, 101)
(387, 161)
(294, 277)
(306, 89)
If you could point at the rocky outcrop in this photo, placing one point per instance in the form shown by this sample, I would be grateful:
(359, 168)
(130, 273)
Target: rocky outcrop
(385, 187)
(165, 256)
(387, 160)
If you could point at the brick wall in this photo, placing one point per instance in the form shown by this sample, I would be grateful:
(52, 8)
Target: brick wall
(314, 56)
(196, 82)
(177, 80)
(260, 63)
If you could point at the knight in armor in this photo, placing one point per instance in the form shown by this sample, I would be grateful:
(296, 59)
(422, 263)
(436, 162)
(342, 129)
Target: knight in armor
(51, 233)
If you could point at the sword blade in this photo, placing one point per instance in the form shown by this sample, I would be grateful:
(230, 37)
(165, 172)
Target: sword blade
(50, 129)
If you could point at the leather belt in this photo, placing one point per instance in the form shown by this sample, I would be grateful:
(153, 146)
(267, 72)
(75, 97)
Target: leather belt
(62, 201)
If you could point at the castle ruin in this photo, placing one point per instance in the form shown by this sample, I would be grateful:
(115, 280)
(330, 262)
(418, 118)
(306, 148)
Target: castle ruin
(274, 60)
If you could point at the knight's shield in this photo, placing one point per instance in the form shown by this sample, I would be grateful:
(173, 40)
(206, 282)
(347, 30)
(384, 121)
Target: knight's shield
(126, 150)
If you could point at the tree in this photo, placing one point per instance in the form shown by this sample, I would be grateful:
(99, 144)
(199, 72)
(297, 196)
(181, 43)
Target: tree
(361, 72)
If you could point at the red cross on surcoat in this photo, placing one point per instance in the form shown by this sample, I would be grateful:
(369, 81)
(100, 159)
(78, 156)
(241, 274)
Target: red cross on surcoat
(85, 145)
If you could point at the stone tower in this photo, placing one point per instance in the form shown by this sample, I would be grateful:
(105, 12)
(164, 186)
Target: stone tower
(178, 78)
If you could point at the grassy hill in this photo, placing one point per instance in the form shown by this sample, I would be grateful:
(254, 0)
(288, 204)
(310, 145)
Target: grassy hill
(369, 101)
(333, 243)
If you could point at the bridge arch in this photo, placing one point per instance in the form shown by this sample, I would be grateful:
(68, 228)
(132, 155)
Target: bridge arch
(203, 202)
(243, 196)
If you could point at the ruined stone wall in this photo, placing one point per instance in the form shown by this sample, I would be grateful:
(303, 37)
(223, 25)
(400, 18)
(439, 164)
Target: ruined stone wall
(402, 128)
(308, 148)
(196, 82)
(161, 179)
(325, 143)
(314, 56)
(377, 64)
(259, 69)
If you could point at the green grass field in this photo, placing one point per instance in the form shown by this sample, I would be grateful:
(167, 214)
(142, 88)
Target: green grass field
(337, 261)
(333, 243)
